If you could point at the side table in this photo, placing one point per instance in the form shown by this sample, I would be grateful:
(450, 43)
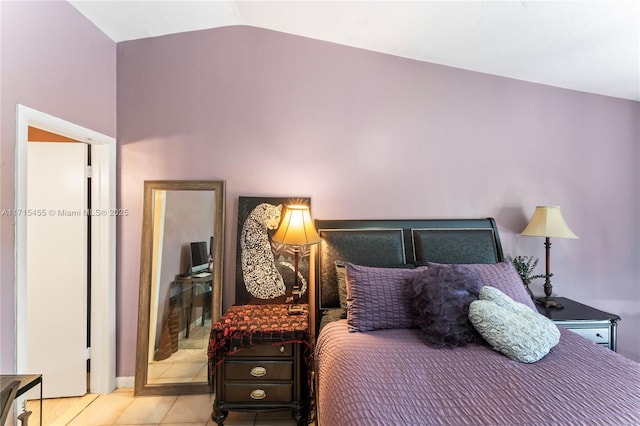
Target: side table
(259, 357)
(188, 287)
(596, 325)
(27, 381)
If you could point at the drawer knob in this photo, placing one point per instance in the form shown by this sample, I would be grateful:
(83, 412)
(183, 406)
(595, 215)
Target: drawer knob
(258, 394)
(282, 349)
(258, 371)
(599, 335)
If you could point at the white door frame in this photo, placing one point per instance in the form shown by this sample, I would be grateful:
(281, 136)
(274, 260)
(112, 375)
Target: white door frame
(103, 242)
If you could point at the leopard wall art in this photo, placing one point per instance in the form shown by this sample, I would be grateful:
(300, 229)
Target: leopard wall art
(261, 276)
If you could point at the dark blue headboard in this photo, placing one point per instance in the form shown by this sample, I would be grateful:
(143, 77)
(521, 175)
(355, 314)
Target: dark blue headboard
(394, 242)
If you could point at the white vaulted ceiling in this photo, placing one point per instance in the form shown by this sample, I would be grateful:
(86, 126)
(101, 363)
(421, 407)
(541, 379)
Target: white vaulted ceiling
(590, 46)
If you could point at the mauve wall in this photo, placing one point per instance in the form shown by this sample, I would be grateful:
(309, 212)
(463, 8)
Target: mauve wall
(369, 135)
(56, 61)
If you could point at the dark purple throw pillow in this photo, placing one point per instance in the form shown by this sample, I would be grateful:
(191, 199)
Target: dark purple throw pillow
(441, 295)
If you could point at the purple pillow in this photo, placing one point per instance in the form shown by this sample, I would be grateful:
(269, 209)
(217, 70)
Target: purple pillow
(376, 298)
(441, 295)
(505, 278)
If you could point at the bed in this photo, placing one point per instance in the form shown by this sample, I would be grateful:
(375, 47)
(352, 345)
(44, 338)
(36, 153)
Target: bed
(384, 373)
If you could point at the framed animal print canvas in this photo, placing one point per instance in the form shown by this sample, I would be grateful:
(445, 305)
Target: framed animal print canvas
(265, 269)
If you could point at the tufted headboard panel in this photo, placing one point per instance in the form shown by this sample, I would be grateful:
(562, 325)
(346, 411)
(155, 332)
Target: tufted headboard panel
(369, 247)
(456, 245)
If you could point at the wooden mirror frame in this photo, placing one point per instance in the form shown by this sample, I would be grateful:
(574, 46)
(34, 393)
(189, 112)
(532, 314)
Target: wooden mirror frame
(142, 387)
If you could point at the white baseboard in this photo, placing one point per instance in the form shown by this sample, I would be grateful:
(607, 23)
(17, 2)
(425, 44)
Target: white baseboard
(125, 382)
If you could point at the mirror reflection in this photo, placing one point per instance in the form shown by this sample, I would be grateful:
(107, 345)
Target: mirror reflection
(180, 283)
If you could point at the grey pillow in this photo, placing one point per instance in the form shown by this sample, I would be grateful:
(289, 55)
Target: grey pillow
(341, 276)
(441, 295)
(511, 327)
(376, 298)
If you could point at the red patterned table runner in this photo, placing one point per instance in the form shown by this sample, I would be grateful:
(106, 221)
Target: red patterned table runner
(247, 325)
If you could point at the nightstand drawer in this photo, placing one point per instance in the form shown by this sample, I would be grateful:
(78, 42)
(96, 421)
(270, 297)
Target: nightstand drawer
(258, 370)
(598, 335)
(258, 392)
(264, 350)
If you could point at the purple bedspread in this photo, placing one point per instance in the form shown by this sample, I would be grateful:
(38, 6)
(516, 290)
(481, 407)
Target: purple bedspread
(389, 377)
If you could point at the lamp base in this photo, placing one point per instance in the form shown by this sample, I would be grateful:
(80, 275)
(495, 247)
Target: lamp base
(549, 303)
(296, 309)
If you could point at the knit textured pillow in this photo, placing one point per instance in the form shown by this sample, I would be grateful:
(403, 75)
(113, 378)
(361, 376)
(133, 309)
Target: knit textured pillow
(511, 327)
(376, 298)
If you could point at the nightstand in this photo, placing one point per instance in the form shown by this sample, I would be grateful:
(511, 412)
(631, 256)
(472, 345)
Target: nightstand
(260, 356)
(595, 325)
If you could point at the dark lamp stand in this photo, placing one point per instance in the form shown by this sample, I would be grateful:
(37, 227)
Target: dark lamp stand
(547, 301)
(547, 221)
(296, 292)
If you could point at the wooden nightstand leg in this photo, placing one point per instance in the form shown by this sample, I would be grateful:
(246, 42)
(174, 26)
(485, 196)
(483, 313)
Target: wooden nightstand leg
(218, 415)
(298, 415)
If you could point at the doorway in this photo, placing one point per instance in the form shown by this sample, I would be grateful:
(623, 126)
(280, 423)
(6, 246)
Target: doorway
(103, 238)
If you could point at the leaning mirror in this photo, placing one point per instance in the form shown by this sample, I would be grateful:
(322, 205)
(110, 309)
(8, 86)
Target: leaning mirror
(180, 284)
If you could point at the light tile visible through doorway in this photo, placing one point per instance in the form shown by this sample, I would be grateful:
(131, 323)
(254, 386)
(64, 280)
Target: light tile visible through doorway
(58, 410)
(105, 410)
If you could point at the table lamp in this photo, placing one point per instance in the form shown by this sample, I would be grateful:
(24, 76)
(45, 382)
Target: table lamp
(547, 221)
(296, 229)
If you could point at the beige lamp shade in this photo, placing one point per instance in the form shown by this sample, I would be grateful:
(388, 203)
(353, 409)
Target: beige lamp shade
(547, 221)
(297, 228)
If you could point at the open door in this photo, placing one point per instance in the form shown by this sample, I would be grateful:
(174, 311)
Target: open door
(103, 244)
(57, 271)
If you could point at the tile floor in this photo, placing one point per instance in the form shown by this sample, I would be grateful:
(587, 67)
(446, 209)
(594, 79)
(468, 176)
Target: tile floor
(189, 363)
(122, 408)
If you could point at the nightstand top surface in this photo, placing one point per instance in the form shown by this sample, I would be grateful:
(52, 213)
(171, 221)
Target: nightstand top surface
(27, 381)
(574, 311)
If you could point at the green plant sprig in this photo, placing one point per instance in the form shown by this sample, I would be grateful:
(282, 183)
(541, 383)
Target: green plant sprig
(525, 266)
